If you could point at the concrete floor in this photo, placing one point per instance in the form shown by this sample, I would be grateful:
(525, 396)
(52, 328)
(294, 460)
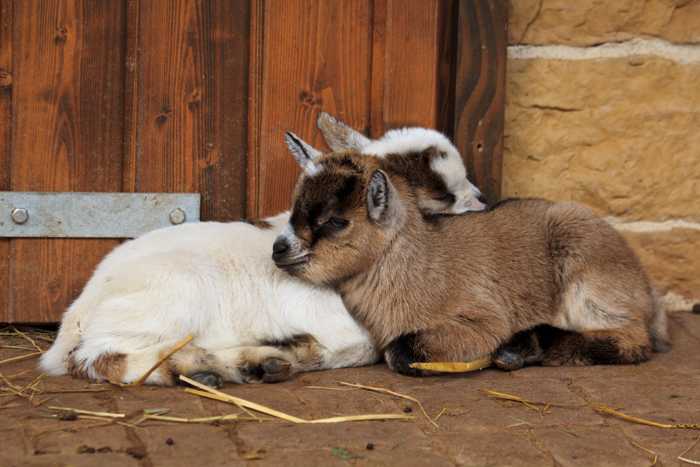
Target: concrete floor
(473, 430)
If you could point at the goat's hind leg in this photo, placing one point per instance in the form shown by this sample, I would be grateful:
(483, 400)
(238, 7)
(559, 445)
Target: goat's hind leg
(608, 326)
(607, 347)
(269, 362)
(525, 348)
(245, 364)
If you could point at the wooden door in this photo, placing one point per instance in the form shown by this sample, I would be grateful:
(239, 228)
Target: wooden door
(195, 96)
(115, 96)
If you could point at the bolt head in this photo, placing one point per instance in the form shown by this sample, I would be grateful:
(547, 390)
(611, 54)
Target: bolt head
(177, 216)
(19, 215)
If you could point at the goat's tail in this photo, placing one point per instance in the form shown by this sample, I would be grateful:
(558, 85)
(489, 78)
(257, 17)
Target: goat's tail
(55, 360)
(658, 326)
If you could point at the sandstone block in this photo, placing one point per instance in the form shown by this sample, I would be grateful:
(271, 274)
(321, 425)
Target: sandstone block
(621, 135)
(672, 259)
(590, 22)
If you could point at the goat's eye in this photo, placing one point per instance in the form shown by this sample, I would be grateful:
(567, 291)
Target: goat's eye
(445, 198)
(336, 223)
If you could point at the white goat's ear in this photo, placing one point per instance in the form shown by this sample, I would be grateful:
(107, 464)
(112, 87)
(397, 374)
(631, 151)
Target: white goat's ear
(303, 153)
(338, 135)
(378, 194)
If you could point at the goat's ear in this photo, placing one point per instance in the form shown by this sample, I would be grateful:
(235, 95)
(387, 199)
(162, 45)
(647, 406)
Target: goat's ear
(339, 136)
(379, 193)
(303, 152)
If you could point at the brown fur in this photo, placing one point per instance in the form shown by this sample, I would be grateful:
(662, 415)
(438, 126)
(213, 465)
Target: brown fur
(76, 368)
(108, 366)
(457, 287)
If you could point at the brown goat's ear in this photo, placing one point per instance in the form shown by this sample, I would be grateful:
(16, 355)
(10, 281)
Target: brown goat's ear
(303, 152)
(378, 194)
(338, 135)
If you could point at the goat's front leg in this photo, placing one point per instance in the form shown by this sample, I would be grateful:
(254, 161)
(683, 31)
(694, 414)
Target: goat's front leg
(456, 340)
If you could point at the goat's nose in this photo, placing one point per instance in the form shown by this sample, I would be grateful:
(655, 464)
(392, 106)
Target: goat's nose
(280, 247)
(481, 198)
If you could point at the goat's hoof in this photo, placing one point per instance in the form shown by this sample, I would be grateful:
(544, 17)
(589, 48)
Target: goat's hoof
(401, 353)
(270, 370)
(276, 370)
(208, 378)
(508, 360)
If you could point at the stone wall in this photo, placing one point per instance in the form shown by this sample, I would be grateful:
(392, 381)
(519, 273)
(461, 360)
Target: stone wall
(603, 107)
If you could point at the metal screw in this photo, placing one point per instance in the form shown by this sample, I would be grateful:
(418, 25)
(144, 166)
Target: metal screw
(177, 216)
(20, 215)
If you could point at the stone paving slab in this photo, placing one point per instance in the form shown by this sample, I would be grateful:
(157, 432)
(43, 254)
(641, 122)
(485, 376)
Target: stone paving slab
(473, 430)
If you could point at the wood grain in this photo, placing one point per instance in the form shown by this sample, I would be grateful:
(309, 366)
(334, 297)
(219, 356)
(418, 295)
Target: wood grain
(377, 128)
(315, 55)
(5, 144)
(67, 136)
(255, 93)
(188, 109)
(412, 51)
(480, 91)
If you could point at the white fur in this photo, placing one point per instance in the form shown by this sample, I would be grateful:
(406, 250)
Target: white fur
(214, 281)
(341, 137)
(450, 168)
(303, 153)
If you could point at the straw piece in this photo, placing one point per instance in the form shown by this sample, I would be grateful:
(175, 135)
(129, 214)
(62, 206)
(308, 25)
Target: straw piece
(364, 418)
(165, 418)
(242, 403)
(10, 386)
(87, 412)
(223, 397)
(528, 403)
(29, 339)
(177, 348)
(643, 421)
(685, 459)
(73, 391)
(442, 412)
(20, 358)
(453, 367)
(392, 393)
(654, 456)
(293, 419)
(212, 391)
(328, 388)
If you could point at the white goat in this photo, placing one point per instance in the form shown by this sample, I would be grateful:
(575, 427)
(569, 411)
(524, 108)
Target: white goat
(250, 321)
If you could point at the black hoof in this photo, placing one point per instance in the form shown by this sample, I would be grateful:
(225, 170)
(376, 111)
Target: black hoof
(508, 360)
(276, 370)
(208, 378)
(401, 353)
(270, 370)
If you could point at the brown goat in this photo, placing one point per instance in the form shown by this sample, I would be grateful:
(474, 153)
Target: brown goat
(454, 288)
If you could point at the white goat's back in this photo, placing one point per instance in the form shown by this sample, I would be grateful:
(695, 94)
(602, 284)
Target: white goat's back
(214, 281)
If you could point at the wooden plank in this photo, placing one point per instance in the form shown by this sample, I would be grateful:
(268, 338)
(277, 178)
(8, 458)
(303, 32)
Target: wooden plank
(255, 93)
(187, 112)
(67, 136)
(314, 55)
(412, 51)
(377, 128)
(480, 91)
(5, 143)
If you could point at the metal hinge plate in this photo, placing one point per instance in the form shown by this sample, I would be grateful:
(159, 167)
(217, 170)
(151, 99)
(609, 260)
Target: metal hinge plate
(93, 215)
